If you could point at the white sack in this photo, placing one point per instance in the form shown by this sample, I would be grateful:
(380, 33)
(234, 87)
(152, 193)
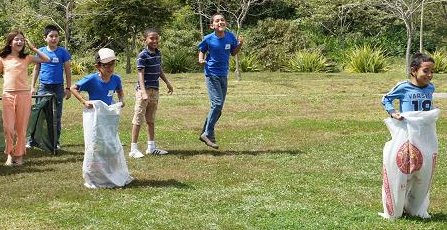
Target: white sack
(104, 163)
(408, 164)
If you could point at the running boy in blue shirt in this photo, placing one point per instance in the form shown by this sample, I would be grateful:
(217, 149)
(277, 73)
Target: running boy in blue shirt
(146, 95)
(51, 75)
(217, 47)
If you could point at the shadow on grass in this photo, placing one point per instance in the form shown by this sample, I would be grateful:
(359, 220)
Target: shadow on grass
(38, 157)
(157, 184)
(438, 217)
(435, 217)
(12, 170)
(232, 153)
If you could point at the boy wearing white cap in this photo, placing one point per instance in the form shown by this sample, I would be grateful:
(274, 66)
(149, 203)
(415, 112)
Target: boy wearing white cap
(102, 84)
(104, 165)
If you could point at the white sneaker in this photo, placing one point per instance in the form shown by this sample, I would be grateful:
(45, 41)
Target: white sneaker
(136, 154)
(156, 151)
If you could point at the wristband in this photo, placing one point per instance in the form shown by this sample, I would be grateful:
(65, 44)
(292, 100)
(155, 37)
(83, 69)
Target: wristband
(67, 88)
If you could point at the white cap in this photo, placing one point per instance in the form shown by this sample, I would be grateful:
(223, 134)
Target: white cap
(106, 55)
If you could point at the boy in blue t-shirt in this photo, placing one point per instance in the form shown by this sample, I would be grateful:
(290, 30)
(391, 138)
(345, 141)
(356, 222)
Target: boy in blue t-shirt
(51, 75)
(415, 94)
(102, 84)
(146, 95)
(217, 46)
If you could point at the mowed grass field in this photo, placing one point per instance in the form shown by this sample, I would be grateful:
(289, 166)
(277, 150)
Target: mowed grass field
(297, 151)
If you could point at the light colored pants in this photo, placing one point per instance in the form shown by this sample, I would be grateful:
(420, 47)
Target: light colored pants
(145, 109)
(16, 113)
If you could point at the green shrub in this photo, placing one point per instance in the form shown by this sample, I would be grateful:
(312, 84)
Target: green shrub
(178, 61)
(247, 63)
(440, 57)
(82, 66)
(271, 41)
(365, 59)
(307, 61)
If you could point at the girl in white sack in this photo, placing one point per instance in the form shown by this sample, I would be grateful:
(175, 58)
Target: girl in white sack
(409, 157)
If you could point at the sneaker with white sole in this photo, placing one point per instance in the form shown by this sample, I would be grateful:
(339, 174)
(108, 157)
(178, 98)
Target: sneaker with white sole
(156, 151)
(136, 154)
(208, 142)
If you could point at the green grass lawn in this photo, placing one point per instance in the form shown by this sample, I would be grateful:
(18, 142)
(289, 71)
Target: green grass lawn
(297, 151)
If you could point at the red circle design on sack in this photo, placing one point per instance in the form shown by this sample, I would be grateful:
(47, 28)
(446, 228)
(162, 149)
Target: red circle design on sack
(409, 158)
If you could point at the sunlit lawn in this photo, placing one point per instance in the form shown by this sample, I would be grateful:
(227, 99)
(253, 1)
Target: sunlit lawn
(297, 151)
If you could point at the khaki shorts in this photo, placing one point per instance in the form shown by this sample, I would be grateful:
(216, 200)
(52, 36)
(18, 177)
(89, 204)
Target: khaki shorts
(145, 109)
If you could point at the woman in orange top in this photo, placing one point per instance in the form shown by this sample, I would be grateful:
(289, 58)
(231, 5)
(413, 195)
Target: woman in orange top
(14, 64)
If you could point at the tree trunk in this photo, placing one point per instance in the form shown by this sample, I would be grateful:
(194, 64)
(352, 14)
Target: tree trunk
(407, 54)
(200, 19)
(421, 30)
(237, 71)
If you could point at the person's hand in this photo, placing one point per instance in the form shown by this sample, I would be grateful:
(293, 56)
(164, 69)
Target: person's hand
(170, 88)
(33, 91)
(397, 116)
(240, 40)
(202, 61)
(122, 104)
(143, 94)
(30, 44)
(67, 93)
(88, 104)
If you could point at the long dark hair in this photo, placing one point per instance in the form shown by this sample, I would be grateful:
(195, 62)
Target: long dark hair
(6, 50)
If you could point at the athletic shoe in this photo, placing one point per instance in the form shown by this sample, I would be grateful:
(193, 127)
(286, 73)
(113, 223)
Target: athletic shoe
(208, 142)
(30, 145)
(136, 154)
(156, 151)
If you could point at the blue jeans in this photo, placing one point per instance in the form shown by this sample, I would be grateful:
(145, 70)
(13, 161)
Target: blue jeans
(58, 90)
(217, 91)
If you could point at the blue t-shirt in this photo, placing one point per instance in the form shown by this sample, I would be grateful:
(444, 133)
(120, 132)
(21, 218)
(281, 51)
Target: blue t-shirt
(219, 50)
(150, 62)
(97, 89)
(410, 96)
(52, 72)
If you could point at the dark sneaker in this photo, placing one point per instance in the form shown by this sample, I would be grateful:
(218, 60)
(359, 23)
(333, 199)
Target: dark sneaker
(208, 142)
(30, 144)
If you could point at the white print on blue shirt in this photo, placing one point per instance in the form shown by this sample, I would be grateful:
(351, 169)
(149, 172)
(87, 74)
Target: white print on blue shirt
(227, 46)
(55, 60)
(110, 94)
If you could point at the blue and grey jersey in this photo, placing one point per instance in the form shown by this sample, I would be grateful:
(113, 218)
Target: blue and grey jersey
(410, 96)
(150, 62)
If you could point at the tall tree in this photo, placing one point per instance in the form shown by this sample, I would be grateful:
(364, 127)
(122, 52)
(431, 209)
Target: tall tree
(59, 13)
(238, 10)
(406, 10)
(117, 23)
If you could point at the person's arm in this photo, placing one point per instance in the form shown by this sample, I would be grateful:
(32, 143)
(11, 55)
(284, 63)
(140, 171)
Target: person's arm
(41, 57)
(168, 83)
(121, 96)
(34, 75)
(387, 102)
(141, 83)
(75, 91)
(67, 70)
(240, 41)
(201, 58)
